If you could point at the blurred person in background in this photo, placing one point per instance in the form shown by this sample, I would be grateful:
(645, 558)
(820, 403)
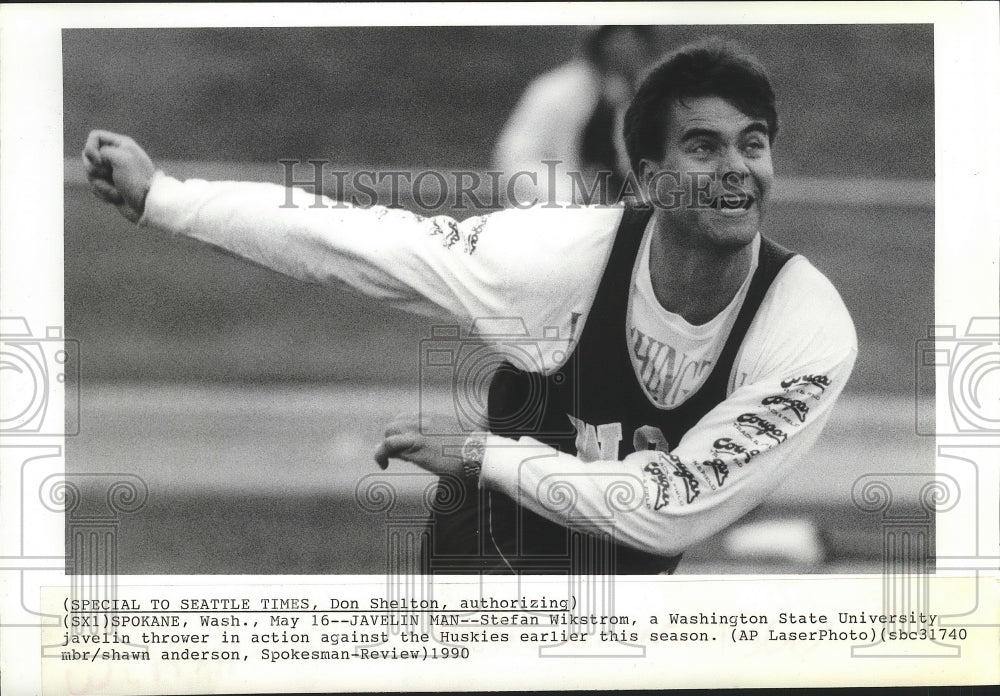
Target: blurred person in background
(572, 117)
(685, 362)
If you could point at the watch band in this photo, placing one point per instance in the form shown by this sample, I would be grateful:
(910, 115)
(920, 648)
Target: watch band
(473, 453)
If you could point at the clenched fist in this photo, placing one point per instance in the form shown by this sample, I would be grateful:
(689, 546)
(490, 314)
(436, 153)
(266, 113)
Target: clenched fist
(119, 171)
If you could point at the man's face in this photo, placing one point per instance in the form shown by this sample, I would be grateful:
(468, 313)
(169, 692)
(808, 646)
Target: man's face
(715, 176)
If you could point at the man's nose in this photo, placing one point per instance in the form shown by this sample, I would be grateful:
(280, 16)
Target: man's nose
(733, 164)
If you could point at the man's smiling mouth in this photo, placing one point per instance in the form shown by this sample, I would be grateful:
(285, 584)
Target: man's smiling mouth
(733, 204)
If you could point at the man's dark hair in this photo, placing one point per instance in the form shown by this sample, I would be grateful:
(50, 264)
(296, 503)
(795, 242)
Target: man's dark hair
(707, 68)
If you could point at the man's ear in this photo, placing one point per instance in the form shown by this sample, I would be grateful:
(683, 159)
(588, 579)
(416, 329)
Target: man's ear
(647, 168)
(643, 176)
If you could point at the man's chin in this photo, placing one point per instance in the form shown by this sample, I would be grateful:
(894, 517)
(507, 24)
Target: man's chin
(733, 232)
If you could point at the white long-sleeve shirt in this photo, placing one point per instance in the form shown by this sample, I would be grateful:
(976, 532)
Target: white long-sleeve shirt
(542, 266)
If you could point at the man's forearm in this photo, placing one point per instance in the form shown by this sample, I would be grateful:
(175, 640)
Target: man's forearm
(375, 252)
(664, 502)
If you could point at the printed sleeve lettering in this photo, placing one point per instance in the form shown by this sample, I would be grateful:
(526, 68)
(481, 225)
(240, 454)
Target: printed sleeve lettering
(506, 264)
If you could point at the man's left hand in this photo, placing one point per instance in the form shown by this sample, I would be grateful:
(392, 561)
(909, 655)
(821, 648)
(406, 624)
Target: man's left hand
(405, 440)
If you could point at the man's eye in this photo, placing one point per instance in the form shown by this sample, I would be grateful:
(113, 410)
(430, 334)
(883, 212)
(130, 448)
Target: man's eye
(754, 146)
(701, 148)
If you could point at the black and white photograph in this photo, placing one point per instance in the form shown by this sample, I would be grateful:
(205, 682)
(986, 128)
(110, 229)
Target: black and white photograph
(584, 305)
(246, 349)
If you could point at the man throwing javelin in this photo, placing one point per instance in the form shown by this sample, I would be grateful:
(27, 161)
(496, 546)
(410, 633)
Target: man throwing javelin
(688, 362)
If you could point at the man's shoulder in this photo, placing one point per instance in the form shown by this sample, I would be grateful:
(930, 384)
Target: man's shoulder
(546, 251)
(803, 302)
(560, 219)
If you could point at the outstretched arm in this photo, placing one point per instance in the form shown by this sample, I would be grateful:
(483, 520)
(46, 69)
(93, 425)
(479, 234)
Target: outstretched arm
(503, 264)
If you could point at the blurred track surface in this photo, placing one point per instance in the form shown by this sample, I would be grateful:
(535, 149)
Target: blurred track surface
(262, 479)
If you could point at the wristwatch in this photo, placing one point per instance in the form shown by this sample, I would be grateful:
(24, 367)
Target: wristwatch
(473, 452)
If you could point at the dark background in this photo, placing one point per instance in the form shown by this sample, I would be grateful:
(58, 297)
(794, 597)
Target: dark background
(854, 100)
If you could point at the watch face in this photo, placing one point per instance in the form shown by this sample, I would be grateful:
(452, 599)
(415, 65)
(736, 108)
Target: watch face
(472, 455)
(474, 447)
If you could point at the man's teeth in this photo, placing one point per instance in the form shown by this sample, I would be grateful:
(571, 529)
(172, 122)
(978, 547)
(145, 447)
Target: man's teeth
(734, 203)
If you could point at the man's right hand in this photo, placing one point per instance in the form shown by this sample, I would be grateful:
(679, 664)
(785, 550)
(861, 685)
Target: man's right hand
(119, 171)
